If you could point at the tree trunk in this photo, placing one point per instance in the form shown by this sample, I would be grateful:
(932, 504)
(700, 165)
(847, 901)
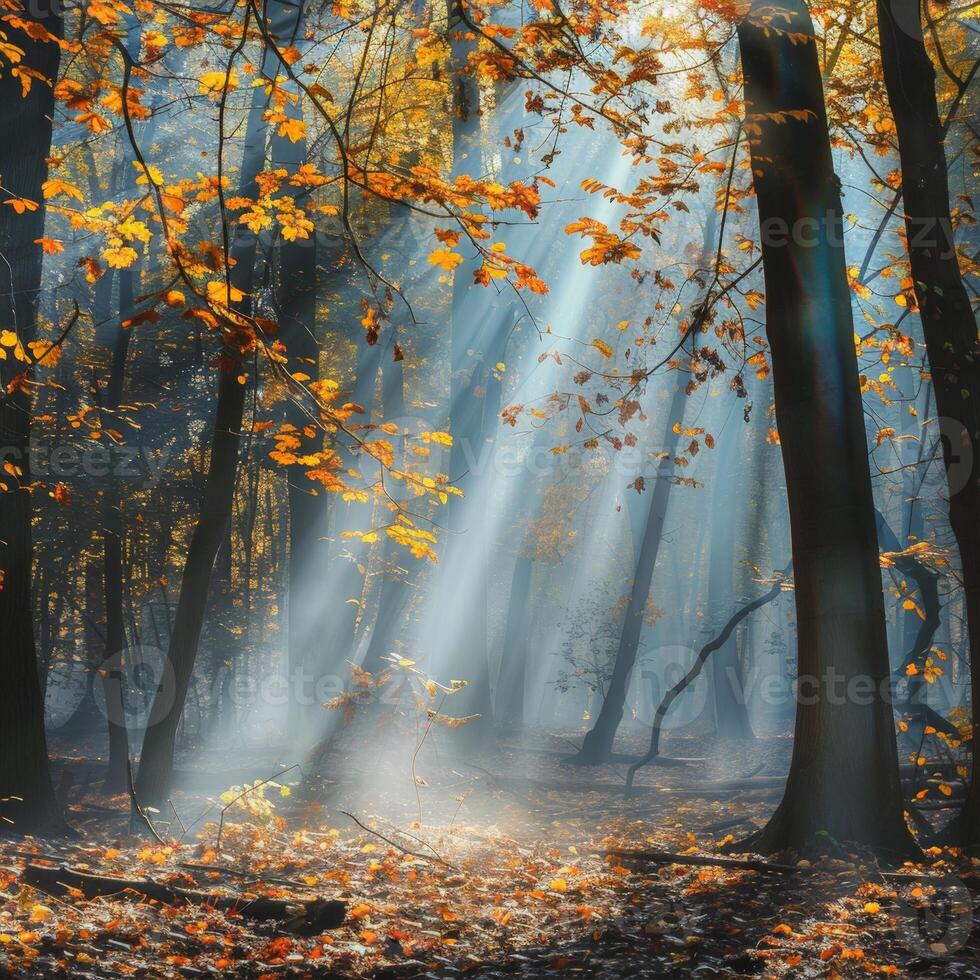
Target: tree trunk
(111, 671)
(843, 778)
(598, 743)
(948, 323)
(296, 294)
(731, 712)
(508, 708)
(396, 582)
(27, 802)
(157, 757)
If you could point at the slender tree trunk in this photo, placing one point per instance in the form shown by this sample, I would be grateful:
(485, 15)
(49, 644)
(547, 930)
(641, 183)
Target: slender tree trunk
(598, 744)
(843, 777)
(508, 710)
(111, 669)
(731, 712)
(396, 582)
(508, 698)
(948, 322)
(27, 801)
(157, 758)
(344, 583)
(468, 333)
(296, 293)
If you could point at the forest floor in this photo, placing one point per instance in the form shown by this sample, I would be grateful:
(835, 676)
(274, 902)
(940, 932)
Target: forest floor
(503, 867)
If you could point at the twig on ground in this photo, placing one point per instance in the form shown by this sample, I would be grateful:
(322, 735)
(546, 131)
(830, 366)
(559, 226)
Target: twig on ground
(137, 809)
(398, 847)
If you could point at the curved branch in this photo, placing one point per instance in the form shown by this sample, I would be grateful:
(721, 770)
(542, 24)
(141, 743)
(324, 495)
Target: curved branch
(709, 648)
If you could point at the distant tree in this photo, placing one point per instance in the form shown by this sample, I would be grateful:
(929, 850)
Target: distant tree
(157, 756)
(598, 744)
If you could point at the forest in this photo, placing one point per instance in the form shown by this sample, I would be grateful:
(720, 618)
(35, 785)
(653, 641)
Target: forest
(489, 488)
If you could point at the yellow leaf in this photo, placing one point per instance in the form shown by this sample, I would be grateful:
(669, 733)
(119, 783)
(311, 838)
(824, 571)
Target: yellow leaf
(212, 83)
(40, 913)
(445, 259)
(221, 292)
(54, 187)
(120, 256)
(293, 129)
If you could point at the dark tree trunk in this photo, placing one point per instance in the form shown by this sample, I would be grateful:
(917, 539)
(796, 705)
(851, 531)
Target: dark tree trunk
(307, 606)
(157, 757)
(948, 322)
(508, 708)
(731, 711)
(508, 696)
(843, 778)
(345, 580)
(27, 802)
(111, 669)
(598, 744)
(396, 582)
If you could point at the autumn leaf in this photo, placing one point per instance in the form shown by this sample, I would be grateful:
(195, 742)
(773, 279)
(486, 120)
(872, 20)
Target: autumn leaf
(212, 83)
(50, 246)
(119, 256)
(55, 187)
(222, 293)
(445, 259)
(21, 204)
(293, 129)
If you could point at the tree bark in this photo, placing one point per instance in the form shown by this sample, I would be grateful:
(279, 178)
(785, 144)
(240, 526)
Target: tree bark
(27, 802)
(396, 583)
(843, 778)
(731, 711)
(111, 668)
(948, 322)
(598, 744)
(157, 757)
(296, 295)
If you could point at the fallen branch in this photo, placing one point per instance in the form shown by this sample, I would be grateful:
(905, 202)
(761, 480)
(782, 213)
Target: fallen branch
(616, 758)
(398, 847)
(753, 864)
(751, 783)
(714, 828)
(307, 918)
(707, 861)
(709, 648)
(222, 869)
